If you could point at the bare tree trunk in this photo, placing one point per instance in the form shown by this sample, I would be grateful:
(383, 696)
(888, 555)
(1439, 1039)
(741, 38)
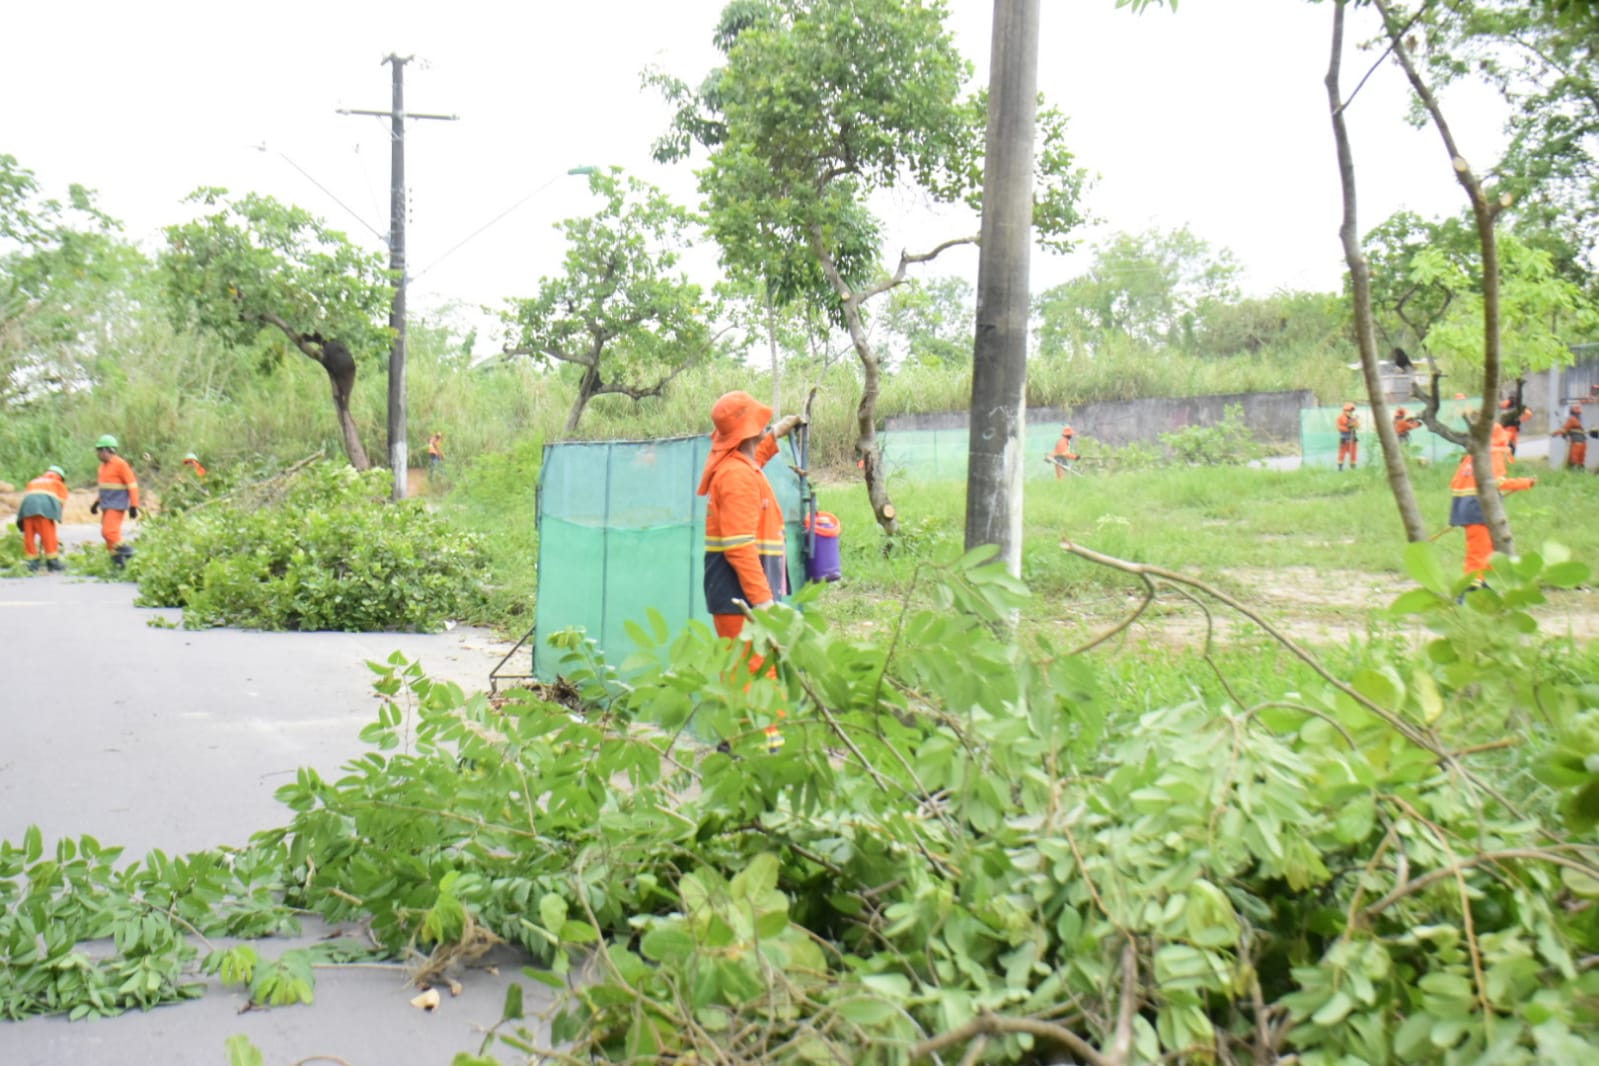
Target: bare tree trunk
(777, 370)
(351, 435)
(1360, 281)
(1480, 437)
(587, 386)
(999, 359)
(339, 364)
(871, 381)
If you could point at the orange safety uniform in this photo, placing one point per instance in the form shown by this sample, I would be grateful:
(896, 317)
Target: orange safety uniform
(194, 464)
(1465, 509)
(744, 543)
(745, 559)
(1576, 440)
(1513, 422)
(119, 490)
(1348, 436)
(1063, 452)
(40, 513)
(1403, 424)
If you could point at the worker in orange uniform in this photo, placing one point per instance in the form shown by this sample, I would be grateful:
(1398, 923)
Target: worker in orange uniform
(745, 565)
(1576, 439)
(1465, 510)
(119, 496)
(1063, 455)
(435, 453)
(1513, 420)
(192, 461)
(1403, 424)
(38, 516)
(1348, 436)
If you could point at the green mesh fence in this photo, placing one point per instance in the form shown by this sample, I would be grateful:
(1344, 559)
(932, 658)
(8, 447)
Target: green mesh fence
(1318, 435)
(621, 531)
(940, 454)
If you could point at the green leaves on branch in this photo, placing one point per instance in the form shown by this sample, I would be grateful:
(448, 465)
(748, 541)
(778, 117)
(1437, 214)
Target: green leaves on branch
(624, 310)
(234, 271)
(326, 551)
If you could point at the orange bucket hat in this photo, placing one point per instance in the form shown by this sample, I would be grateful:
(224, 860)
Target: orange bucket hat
(736, 417)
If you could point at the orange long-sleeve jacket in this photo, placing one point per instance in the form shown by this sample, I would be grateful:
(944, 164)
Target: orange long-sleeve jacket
(44, 495)
(119, 489)
(1348, 424)
(744, 543)
(1464, 507)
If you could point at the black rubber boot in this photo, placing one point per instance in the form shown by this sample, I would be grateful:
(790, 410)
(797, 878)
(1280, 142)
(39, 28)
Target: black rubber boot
(55, 566)
(33, 566)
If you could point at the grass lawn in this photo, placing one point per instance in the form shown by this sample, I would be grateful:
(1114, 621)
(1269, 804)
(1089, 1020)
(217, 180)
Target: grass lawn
(1313, 545)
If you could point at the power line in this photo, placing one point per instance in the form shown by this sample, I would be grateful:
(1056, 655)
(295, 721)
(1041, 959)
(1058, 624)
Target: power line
(262, 147)
(449, 251)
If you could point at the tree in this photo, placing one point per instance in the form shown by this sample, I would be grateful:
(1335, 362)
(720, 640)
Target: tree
(1485, 211)
(820, 103)
(931, 322)
(258, 264)
(67, 281)
(623, 312)
(1395, 464)
(1148, 287)
(1540, 57)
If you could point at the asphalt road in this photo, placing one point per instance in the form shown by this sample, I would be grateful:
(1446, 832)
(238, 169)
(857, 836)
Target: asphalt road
(161, 738)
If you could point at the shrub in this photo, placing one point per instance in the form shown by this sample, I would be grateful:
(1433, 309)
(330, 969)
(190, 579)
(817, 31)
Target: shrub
(321, 548)
(1228, 443)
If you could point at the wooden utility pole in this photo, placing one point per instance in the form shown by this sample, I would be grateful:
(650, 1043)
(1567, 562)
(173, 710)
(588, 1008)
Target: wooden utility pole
(399, 451)
(999, 358)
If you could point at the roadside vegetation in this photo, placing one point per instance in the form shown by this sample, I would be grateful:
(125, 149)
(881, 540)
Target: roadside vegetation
(1234, 769)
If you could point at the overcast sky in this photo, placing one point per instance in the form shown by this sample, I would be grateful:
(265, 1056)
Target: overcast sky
(1214, 117)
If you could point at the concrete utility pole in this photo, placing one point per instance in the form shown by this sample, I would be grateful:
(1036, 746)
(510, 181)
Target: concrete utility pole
(399, 457)
(999, 356)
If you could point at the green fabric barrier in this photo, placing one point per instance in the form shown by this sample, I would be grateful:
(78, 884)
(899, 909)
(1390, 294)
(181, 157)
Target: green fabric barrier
(1318, 435)
(940, 454)
(621, 530)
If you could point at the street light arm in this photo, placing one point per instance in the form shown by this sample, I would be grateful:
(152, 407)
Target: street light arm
(457, 245)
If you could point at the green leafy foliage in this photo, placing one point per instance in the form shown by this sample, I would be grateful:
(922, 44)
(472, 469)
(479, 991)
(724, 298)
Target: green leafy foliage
(946, 847)
(232, 272)
(1227, 443)
(623, 312)
(325, 550)
(67, 280)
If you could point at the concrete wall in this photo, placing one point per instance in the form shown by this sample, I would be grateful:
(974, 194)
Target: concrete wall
(1274, 416)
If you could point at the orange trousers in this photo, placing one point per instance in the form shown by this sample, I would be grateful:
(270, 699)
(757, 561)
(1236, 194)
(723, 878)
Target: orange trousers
(1349, 449)
(37, 530)
(111, 528)
(730, 626)
(1577, 454)
(1479, 549)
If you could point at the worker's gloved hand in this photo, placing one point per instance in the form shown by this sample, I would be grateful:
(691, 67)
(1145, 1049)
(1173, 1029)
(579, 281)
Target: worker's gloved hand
(762, 605)
(94, 508)
(786, 424)
(133, 512)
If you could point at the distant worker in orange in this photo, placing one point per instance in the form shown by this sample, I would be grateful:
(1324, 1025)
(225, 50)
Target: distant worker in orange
(1403, 424)
(745, 565)
(435, 453)
(1576, 439)
(38, 516)
(119, 496)
(1063, 455)
(1465, 510)
(192, 461)
(1513, 420)
(1348, 436)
